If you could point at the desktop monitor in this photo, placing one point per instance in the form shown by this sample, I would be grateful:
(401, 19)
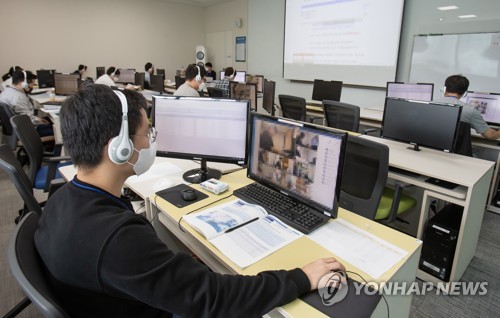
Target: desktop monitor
(127, 76)
(201, 128)
(239, 77)
(415, 91)
(488, 104)
(244, 91)
(45, 78)
(161, 72)
(100, 71)
(302, 160)
(139, 79)
(66, 84)
(268, 96)
(324, 90)
(427, 124)
(256, 79)
(157, 83)
(180, 72)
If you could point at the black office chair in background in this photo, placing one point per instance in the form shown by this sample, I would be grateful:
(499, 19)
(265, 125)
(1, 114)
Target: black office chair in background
(341, 115)
(363, 189)
(293, 107)
(9, 137)
(215, 92)
(179, 81)
(463, 145)
(99, 71)
(29, 271)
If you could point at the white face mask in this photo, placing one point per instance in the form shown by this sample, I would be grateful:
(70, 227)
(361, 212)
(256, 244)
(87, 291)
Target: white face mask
(145, 160)
(202, 86)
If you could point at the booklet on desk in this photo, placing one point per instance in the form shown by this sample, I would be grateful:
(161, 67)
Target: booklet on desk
(244, 232)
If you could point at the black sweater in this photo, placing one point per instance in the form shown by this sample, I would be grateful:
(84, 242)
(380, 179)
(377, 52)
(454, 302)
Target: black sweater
(106, 261)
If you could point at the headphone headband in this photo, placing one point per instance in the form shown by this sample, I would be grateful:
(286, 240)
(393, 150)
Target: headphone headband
(198, 76)
(25, 82)
(120, 147)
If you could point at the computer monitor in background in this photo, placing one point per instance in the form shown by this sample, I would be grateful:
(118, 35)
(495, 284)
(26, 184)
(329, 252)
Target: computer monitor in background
(139, 79)
(256, 79)
(157, 83)
(222, 74)
(160, 71)
(180, 72)
(45, 78)
(327, 90)
(66, 84)
(241, 91)
(127, 76)
(240, 76)
(415, 91)
(488, 104)
(427, 124)
(268, 96)
(201, 128)
(99, 71)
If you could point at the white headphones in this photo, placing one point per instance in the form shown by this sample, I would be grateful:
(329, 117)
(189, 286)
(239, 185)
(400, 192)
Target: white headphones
(120, 147)
(198, 76)
(113, 74)
(25, 82)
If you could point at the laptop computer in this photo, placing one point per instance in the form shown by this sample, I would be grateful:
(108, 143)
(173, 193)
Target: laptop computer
(297, 168)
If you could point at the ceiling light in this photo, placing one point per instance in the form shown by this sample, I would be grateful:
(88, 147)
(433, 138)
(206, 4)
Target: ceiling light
(467, 16)
(447, 8)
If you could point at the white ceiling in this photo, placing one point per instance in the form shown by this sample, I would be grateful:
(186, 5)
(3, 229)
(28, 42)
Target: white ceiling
(483, 9)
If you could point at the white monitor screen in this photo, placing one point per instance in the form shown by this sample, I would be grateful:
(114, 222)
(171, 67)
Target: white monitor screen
(201, 128)
(240, 76)
(415, 91)
(488, 104)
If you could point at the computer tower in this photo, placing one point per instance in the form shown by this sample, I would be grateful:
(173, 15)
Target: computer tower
(440, 241)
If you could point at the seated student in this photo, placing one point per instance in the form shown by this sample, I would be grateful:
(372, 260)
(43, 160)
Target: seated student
(149, 70)
(455, 87)
(210, 72)
(123, 269)
(195, 81)
(81, 70)
(7, 77)
(112, 75)
(16, 96)
(223, 83)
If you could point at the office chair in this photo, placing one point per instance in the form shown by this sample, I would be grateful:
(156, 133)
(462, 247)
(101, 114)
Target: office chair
(29, 271)
(179, 81)
(8, 135)
(341, 115)
(463, 145)
(40, 176)
(293, 107)
(363, 188)
(100, 70)
(215, 92)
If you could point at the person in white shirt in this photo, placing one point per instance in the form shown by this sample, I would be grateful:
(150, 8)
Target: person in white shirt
(149, 70)
(195, 82)
(112, 75)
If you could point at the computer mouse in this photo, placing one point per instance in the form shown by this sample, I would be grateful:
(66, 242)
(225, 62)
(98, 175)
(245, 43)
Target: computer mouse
(188, 195)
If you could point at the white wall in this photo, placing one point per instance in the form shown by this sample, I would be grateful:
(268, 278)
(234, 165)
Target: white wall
(61, 34)
(265, 47)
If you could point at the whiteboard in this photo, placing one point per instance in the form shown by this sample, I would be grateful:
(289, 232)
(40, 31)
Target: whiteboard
(474, 55)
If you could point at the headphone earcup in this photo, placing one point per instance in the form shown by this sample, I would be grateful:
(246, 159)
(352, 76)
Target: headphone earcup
(198, 76)
(120, 149)
(25, 82)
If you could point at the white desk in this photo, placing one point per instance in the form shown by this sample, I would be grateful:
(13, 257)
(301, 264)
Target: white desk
(471, 174)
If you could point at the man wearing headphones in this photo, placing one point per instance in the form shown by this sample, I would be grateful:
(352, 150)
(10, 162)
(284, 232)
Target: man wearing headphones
(195, 82)
(149, 70)
(454, 88)
(223, 83)
(16, 96)
(105, 260)
(112, 75)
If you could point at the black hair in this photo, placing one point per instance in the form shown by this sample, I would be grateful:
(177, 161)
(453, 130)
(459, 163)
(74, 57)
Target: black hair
(11, 71)
(228, 71)
(110, 70)
(208, 64)
(192, 71)
(148, 66)
(91, 117)
(457, 84)
(18, 77)
(82, 67)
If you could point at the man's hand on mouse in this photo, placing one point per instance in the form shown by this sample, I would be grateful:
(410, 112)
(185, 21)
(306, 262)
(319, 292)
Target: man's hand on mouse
(320, 268)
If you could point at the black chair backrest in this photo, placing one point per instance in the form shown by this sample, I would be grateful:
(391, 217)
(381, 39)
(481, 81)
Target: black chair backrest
(463, 145)
(100, 70)
(293, 107)
(24, 186)
(179, 81)
(31, 143)
(29, 270)
(268, 96)
(8, 135)
(341, 115)
(364, 176)
(215, 92)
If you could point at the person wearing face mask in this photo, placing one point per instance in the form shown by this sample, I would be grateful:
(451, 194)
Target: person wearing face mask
(111, 76)
(195, 82)
(223, 83)
(105, 260)
(16, 96)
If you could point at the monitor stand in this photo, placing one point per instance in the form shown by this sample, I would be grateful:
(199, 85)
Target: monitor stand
(202, 174)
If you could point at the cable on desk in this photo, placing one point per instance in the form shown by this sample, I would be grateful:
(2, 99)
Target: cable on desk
(383, 297)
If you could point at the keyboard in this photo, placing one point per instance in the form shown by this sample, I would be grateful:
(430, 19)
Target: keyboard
(299, 216)
(54, 102)
(404, 172)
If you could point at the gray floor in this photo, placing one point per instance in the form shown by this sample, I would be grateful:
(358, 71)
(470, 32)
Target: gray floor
(484, 268)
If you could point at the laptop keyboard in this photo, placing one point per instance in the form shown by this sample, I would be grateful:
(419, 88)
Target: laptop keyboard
(293, 213)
